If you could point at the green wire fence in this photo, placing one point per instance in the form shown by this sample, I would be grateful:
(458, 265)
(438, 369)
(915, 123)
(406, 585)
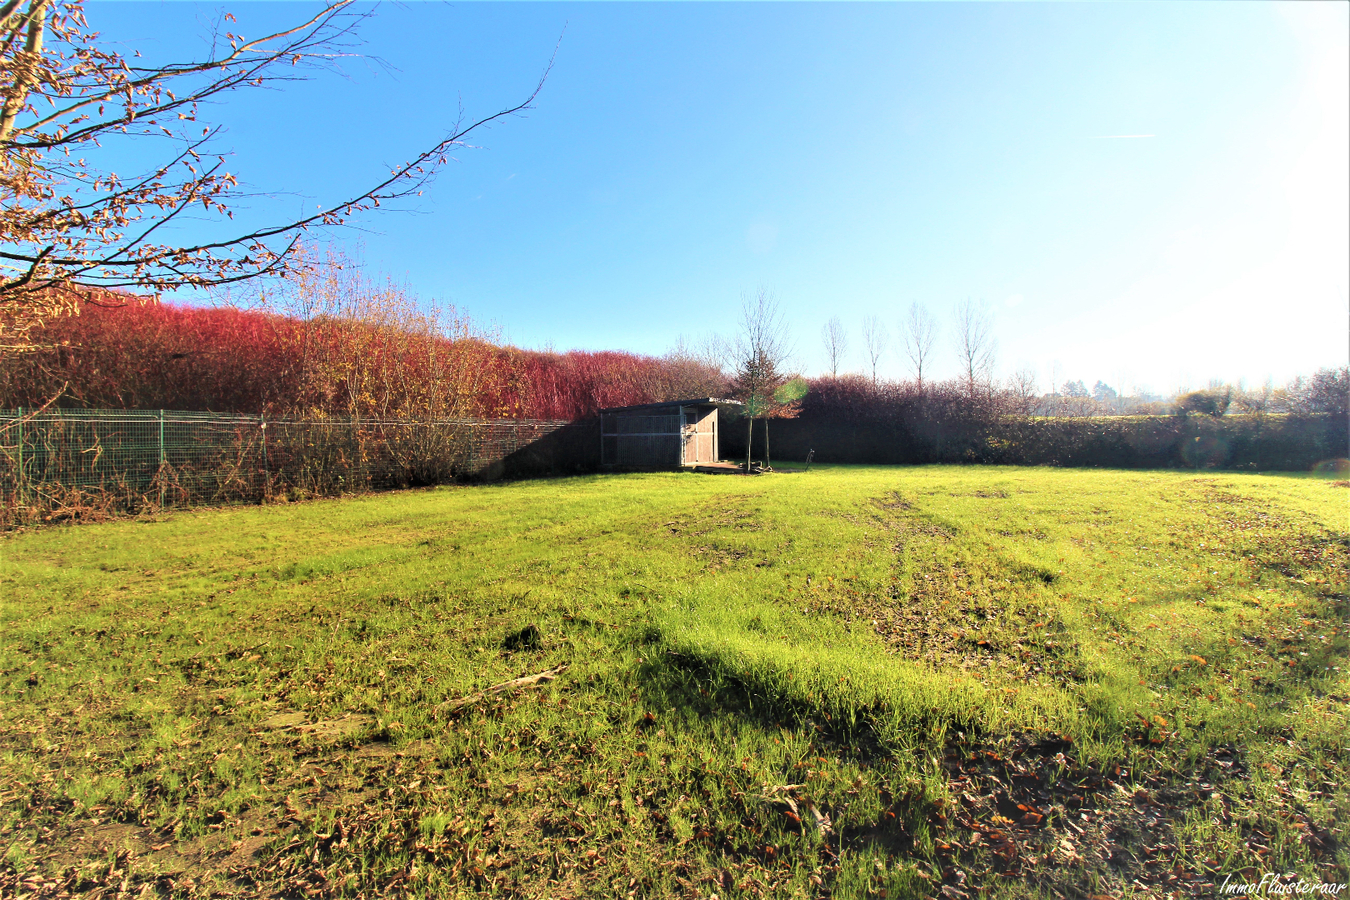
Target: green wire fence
(61, 463)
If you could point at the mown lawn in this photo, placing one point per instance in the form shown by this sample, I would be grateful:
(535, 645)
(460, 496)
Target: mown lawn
(851, 682)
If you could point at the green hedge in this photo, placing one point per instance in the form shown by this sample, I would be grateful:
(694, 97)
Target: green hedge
(1254, 443)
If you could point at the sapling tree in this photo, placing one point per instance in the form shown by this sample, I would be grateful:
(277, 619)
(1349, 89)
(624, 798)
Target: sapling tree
(919, 331)
(760, 354)
(975, 345)
(875, 339)
(836, 344)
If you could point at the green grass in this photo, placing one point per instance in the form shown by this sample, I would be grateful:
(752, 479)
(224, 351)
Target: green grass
(256, 700)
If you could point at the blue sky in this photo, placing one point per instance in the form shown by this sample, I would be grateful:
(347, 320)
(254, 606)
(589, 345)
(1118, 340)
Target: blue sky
(852, 158)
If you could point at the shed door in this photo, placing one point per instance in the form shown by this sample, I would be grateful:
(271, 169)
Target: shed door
(699, 444)
(688, 436)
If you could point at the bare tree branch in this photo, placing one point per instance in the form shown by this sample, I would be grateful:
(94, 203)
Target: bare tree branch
(836, 344)
(875, 340)
(68, 229)
(920, 335)
(975, 344)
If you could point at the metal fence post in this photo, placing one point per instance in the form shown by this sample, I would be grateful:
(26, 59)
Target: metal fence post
(19, 426)
(267, 475)
(161, 459)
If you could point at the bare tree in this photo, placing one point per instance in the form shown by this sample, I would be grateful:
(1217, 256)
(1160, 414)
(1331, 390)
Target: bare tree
(691, 372)
(1256, 401)
(761, 352)
(72, 230)
(875, 340)
(836, 343)
(919, 330)
(975, 343)
(714, 350)
(1022, 390)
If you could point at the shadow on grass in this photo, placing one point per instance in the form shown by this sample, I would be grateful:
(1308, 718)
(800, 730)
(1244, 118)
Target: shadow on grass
(704, 686)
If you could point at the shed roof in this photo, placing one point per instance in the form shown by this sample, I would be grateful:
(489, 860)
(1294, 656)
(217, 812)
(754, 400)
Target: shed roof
(697, 401)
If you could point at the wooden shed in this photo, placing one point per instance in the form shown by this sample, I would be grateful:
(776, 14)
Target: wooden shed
(661, 435)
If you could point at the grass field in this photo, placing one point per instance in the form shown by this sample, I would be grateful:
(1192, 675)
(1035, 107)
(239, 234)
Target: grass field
(852, 682)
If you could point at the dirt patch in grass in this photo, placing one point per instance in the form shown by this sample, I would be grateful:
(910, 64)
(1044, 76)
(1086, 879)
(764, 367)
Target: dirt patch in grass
(97, 858)
(737, 518)
(938, 612)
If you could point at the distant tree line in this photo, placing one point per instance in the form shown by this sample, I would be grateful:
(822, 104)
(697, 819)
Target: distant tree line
(334, 342)
(1326, 391)
(972, 340)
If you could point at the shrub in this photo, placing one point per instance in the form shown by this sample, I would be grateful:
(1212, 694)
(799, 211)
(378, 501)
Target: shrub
(1208, 402)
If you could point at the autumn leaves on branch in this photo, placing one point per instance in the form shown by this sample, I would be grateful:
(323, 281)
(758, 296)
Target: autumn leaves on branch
(71, 230)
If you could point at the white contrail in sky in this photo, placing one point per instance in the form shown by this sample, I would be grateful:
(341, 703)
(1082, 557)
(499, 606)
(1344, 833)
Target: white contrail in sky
(1102, 137)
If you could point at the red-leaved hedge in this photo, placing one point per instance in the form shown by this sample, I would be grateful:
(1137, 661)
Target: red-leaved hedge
(146, 355)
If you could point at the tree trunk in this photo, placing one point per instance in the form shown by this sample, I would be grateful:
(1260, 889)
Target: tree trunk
(767, 463)
(749, 442)
(27, 63)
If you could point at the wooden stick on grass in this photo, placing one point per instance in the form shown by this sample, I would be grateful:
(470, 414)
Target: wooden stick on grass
(528, 681)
